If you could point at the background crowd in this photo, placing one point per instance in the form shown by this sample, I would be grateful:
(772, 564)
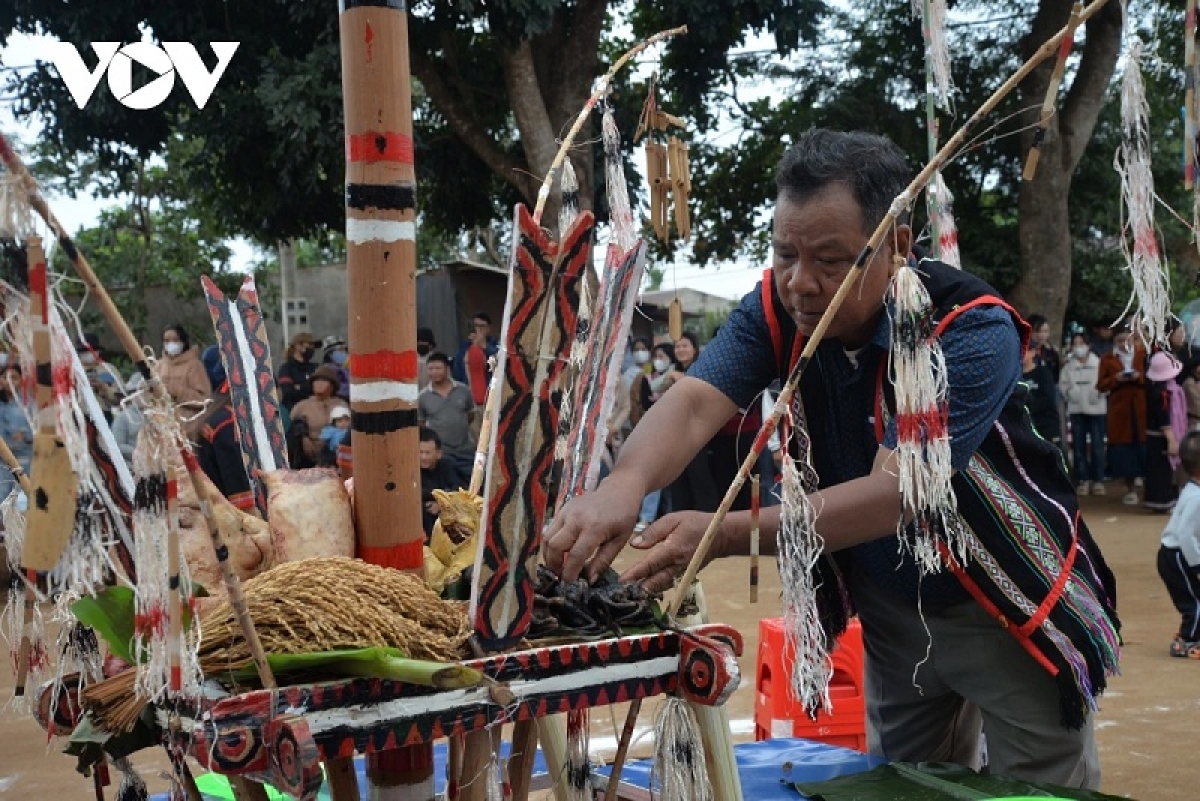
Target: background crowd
(1117, 409)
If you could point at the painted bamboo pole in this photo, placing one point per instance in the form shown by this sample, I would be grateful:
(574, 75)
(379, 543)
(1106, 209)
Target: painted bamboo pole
(931, 128)
(381, 271)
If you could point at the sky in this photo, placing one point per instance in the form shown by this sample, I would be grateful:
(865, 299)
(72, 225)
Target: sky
(729, 280)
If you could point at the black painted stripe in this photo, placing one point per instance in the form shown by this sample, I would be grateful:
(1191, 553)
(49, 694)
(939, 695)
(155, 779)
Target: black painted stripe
(69, 248)
(388, 197)
(398, 5)
(44, 375)
(383, 422)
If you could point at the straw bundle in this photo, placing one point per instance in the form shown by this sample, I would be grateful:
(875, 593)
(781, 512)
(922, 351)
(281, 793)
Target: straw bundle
(310, 606)
(330, 603)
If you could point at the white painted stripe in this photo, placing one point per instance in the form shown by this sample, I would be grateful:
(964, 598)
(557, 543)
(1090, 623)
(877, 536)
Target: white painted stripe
(265, 455)
(360, 231)
(360, 716)
(372, 391)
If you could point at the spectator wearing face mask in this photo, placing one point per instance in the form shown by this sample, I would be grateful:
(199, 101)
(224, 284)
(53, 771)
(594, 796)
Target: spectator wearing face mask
(295, 372)
(335, 353)
(183, 376)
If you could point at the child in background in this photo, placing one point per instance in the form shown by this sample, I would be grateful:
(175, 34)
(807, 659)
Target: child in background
(1179, 554)
(334, 433)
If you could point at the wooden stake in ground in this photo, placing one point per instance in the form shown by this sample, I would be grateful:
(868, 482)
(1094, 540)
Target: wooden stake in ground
(381, 259)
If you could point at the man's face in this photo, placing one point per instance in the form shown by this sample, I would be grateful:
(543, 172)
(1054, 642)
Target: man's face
(436, 371)
(430, 454)
(481, 329)
(814, 244)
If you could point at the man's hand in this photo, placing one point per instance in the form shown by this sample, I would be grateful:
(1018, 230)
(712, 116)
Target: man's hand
(670, 543)
(590, 530)
(432, 507)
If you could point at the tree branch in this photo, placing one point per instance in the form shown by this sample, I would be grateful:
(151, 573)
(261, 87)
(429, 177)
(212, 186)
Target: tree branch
(462, 121)
(529, 108)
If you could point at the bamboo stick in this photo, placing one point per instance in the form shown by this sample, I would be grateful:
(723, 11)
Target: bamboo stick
(1056, 77)
(755, 502)
(1189, 102)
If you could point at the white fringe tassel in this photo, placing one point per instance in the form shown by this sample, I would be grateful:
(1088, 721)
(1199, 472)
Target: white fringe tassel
(1151, 285)
(941, 84)
(918, 372)
(619, 211)
(579, 766)
(678, 769)
(151, 460)
(943, 223)
(799, 548)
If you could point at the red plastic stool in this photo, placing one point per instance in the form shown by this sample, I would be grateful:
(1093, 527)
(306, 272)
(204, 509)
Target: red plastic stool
(778, 714)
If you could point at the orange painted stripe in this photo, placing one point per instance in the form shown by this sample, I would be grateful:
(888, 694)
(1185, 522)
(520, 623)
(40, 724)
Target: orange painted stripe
(405, 556)
(375, 146)
(385, 364)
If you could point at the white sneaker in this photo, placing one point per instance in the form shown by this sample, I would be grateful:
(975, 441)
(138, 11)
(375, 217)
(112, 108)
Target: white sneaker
(1130, 499)
(1098, 488)
(1084, 488)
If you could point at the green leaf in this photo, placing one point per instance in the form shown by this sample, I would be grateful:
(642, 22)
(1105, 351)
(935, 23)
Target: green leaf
(380, 663)
(111, 615)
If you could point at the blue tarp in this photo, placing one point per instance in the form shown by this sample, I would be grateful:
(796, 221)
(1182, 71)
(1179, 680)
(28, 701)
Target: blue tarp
(763, 768)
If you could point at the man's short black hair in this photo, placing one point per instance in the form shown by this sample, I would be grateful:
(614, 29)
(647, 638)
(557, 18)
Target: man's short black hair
(429, 435)
(438, 356)
(872, 166)
(426, 335)
(484, 316)
(1189, 453)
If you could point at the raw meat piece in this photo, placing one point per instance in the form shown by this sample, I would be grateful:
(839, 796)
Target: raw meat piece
(309, 512)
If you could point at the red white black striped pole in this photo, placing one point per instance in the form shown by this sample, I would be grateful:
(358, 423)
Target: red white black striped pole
(381, 270)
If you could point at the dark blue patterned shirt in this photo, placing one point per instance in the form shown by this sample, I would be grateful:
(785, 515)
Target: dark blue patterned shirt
(983, 362)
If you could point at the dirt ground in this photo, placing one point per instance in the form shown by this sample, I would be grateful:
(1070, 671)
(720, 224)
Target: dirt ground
(1144, 726)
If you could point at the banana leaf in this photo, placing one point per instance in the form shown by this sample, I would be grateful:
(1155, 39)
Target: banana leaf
(376, 663)
(111, 614)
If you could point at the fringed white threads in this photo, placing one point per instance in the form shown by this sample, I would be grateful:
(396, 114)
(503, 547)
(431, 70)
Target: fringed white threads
(918, 373)
(678, 769)
(942, 209)
(1151, 288)
(132, 787)
(620, 213)
(16, 215)
(579, 766)
(569, 210)
(156, 651)
(932, 14)
(494, 790)
(800, 548)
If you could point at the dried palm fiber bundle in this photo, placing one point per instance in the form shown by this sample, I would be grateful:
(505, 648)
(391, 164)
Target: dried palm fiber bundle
(296, 610)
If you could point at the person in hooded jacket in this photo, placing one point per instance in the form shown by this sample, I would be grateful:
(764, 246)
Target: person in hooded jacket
(1087, 409)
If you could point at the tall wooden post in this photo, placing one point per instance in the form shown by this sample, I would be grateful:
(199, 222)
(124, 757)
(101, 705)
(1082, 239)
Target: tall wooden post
(381, 270)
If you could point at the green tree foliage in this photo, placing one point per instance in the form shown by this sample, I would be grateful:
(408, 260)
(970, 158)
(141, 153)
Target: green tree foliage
(156, 240)
(497, 84)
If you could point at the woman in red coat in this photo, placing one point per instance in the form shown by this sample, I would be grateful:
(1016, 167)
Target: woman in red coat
(1123, 376)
